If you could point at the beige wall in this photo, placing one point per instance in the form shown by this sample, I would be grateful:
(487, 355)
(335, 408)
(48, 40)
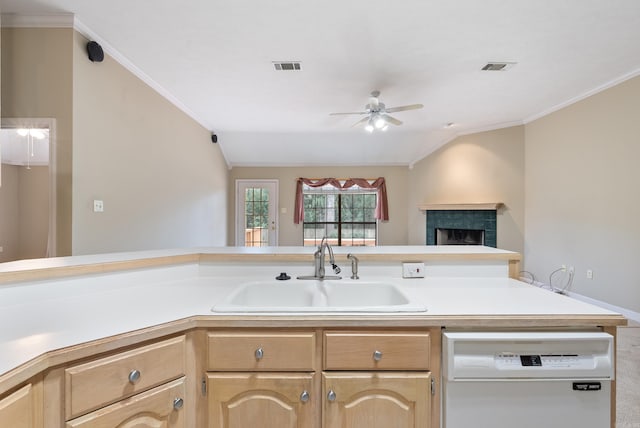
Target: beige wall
(37, 70)
(33, 196)
(582, 197)
(9, 216)
(393, 232)
(24, 212)
(483, 167)
(163, 183)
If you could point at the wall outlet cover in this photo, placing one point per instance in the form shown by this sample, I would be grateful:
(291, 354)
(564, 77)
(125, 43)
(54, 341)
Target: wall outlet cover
(413, 270)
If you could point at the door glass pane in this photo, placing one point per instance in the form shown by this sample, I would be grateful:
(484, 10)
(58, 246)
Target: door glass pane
(256, 225)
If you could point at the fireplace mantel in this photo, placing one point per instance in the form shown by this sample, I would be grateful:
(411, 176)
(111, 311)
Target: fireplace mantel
(471, 206)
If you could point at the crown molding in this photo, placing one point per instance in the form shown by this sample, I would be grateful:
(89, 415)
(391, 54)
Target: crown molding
(37, 21)
(567, 103)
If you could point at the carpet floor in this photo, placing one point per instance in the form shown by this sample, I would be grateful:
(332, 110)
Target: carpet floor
(628, 377)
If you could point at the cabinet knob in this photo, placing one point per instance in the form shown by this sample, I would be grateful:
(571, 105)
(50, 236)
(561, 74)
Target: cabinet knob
(259, 353)
(377, 355)
(134, 376)
(331, 396)
(178, 403)
(304, 397)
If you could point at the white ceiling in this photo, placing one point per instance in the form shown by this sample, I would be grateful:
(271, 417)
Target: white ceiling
(214, 58)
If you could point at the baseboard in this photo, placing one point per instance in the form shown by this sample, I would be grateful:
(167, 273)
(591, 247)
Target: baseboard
(635, 316)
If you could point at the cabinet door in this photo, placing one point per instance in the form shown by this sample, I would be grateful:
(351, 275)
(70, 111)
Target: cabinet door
(274, 400)
(161, 407)
(376, 400)
(23, 408)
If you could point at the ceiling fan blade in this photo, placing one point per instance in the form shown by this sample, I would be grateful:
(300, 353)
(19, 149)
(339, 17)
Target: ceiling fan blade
(352, 112)
(403, 108)
(361, 121)
(391, 120)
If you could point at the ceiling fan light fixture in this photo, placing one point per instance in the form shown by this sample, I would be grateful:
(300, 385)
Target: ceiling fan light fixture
(369, 128)
(379, 122)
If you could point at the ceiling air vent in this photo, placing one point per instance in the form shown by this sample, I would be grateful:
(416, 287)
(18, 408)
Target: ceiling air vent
(498, 66)
(287, 65)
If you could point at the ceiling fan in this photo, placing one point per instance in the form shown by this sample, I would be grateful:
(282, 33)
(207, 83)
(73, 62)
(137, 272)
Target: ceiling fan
(377, 116)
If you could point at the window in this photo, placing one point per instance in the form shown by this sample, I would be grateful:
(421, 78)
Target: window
(346, 217)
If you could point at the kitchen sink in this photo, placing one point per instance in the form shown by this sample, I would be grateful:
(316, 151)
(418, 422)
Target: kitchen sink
(317, 296)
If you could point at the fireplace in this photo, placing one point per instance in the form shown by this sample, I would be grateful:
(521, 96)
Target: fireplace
(465, 224)
(447, 236)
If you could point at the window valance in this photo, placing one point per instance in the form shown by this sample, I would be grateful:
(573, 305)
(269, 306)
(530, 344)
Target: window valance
(382, 208)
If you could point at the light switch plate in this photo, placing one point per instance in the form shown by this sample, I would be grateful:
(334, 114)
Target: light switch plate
(413, 270)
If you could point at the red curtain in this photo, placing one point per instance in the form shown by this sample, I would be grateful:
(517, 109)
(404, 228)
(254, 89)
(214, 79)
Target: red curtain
(382, 208)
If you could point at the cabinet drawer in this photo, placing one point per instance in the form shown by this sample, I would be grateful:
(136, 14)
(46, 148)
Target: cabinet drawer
(159, 407)
(262, 351)
(376, 351)
(100, 382)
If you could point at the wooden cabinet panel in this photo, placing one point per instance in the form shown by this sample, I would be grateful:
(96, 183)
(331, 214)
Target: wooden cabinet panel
(155, 408)
(97, 383)
(266, 400)
(397, 351)
(376, 400)
(261, 351)
(22, 408)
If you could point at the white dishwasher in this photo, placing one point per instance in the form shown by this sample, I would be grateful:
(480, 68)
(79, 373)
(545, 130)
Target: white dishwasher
(527, 379)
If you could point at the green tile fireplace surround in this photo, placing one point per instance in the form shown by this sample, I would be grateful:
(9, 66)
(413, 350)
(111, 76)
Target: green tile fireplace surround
(463, 220)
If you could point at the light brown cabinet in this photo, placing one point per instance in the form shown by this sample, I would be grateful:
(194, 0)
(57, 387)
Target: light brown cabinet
(282, 400)
(160, 407)
(376, 400)
(262, 378)
(97, 383)
(351, 379)
(23, 407)
(144, 386)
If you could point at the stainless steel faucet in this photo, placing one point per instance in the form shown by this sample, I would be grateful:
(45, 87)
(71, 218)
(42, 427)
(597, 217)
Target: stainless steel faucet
(318, 261)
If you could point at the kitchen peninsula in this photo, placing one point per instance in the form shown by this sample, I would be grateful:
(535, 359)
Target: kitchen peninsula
(71, 326)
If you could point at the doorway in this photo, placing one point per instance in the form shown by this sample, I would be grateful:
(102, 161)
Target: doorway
(256, 213)
(27, 189)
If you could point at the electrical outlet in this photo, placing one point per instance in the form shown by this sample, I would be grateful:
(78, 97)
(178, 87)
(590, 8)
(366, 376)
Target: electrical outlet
(413, 270)
(589, 274)
(98, 206)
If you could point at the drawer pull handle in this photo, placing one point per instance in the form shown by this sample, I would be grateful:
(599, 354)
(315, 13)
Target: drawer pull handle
(377, 355)
(331, 396)
(304, 397)
(259, 353)
(178, 403)
(134, 376)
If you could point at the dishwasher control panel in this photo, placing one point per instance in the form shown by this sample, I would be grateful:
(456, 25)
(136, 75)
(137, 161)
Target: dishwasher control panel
(508, 361)
(535, 355)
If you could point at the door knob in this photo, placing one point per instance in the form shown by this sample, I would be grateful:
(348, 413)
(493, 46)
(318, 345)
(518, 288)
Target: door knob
(331, 396)
(178, 403)
(259, 353)
(304, 397)
(134, 376)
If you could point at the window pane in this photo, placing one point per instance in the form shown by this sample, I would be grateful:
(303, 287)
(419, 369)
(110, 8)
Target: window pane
(345, 218)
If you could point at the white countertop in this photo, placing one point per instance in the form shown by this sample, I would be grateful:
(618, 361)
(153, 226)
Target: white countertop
(43, 316)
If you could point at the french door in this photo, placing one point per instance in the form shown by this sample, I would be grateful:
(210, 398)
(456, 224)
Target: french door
(256, 213)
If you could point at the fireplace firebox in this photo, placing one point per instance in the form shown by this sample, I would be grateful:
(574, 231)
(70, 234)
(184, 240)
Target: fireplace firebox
(447, 236)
